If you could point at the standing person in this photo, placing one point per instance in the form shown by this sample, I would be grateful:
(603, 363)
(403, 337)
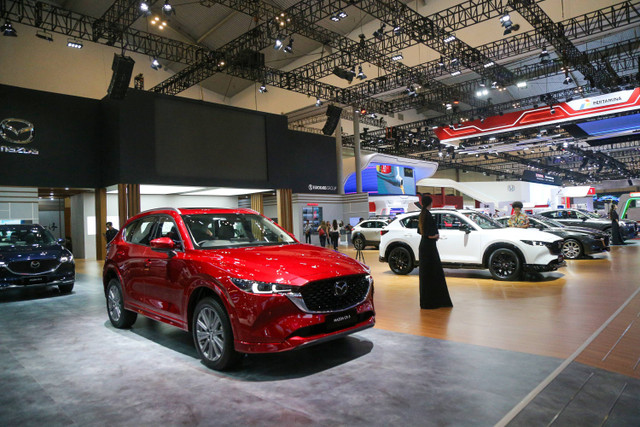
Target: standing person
(616, 237)
(334, 233)
(111, 232)
(519, 219)
(307, 232)
(322, 233)
(433, 285)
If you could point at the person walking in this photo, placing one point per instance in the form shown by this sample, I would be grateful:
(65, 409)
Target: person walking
(334, 233)
(519, 219)
(307, 232)
(616, 236)
(433, 285)
(322, 233)
(111, 232)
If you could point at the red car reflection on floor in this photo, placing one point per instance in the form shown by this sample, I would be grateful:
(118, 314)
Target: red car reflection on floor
(236, 280)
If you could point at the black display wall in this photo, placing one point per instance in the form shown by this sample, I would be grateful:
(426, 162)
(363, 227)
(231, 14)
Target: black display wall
(156, 139)
(64, 150)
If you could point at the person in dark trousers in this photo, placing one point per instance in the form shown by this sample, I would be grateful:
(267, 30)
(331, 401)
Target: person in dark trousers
(322, 233)
(307, 232)
(433, 286)
(334, 233)
(111, 232)
(616, 236)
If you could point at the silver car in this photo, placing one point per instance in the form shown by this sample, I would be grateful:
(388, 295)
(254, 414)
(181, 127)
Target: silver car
(367, 233)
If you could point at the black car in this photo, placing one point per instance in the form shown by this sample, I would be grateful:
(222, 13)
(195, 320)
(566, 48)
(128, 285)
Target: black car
(582, 218)
(31, 256)
(578, 241)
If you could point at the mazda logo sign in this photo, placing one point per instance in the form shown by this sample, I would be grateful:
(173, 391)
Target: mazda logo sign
(35, 264)
(17, 131)
(340, 288)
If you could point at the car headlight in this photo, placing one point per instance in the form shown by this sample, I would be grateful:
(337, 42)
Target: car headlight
(66, 258)
(534, 242)
(255, 287)
(3, 264)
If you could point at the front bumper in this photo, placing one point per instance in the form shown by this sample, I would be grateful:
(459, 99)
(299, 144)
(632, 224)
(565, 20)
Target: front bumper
(596, 246)
(552, 266)
(12, 285)
(64, 275)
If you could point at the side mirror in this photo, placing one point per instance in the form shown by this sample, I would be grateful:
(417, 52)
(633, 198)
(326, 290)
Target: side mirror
(163, 244)
(61, 241)
(465, 228)
(584, 219)
(540, 227)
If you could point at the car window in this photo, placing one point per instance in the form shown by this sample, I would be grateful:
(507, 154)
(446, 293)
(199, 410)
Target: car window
(410, 222)
(483, 221)
(572, 215)
(167, 228)
(448, 221)
(379, 224)
(534, 222)
(139, 232)
(25, 236)
(366, 224)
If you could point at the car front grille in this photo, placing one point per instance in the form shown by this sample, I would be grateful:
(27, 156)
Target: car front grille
(335, 294)
(555, 247)
(36, 266)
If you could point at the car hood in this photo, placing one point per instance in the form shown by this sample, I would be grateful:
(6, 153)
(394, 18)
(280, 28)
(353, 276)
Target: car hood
(584, 230)
(293, 264)
(25, 253)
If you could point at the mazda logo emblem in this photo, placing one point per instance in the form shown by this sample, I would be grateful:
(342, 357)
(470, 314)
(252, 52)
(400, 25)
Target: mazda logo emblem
(35, 264)
(17, 131)
(340, 288)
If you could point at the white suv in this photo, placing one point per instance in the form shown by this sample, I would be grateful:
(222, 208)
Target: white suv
(367, 233)
(469, 239)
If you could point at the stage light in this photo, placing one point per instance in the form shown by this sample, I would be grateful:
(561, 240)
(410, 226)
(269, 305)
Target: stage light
(521, 84)
(263, 88)
(567, 78)
(278, 43)
(155, 64)
(167, 8)
(456, 73)
(8, 30)
(397, 57)
(441, 62)
(450, 38)
(343, 74)
(289, 48)
(397, 29)
(360, 75)
(544, 55)
(144, 8)
(44, 36)
(318, 102)
(489, 64)
(342, 14)
(482, 92)
(76, 44)
(379, 33)
(508, 25)
(363, 111)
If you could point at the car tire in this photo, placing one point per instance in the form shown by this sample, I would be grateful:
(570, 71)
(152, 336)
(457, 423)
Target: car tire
(213, 336)
(359, 243)
(400, 260)
(66, 288)
(504, 264)
(572, 249)
(118, 315)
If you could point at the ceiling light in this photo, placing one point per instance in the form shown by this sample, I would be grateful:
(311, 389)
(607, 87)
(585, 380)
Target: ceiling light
(144, 8)
(335, 18)
(318, 102)
(482, 92)
(397, 29)
(450, 38)
(489, 64)
(289, 48)
(448, 106)
(397, 57)
(8, 30)
(44, 36)
(155, 64)
(360, 75)
(263, 88)
(456, 73)
(521, 84)
(278, 44)
(167, 8)
(342, 14)
(76, 44)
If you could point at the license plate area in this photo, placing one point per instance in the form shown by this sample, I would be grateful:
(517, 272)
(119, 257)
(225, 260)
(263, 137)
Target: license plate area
(341, 320)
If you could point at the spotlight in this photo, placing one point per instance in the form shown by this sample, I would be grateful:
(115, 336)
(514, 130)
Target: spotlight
(379, 33)
(397, 57)
(343, 74)
(441, 62)
(342, 14)
(521, 84)
(450, 38)
(508, 25)
(456, 73)
(335, 18)
(567, 78)
(410, 91)
(397, 29)
(289, 48)
(482, 92)
(144, 8)
(155, 64)
(8, 30)
(318, 102)
(167, 8)
(360, 75)
(76, 44)
(489, 64)
(44, 36)
(544, 55)
(263, 88)
(278, 44)
(363, 112)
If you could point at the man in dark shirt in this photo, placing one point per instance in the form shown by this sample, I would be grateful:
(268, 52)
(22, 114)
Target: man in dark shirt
(111, 232)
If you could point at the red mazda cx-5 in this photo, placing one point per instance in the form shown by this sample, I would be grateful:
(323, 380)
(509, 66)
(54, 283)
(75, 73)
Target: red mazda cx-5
(236, 280)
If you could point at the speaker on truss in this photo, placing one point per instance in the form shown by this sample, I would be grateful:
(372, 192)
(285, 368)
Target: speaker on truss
(122, 68)
(333, 117)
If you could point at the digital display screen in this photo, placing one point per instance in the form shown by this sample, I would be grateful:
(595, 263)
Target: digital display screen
(384, 180)
(612, 125)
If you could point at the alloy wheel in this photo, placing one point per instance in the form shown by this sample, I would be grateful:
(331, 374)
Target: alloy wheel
(115, 303)
(504, 264)
(210, 334)
(571, 249)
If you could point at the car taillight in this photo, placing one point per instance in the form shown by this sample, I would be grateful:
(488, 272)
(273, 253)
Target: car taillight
(383, 232)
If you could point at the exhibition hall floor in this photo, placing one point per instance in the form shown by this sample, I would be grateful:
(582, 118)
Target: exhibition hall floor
(562, 348)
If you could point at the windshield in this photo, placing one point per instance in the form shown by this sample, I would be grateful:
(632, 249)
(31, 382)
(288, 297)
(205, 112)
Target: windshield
(482, 220)
(25, 236)
(210, 231)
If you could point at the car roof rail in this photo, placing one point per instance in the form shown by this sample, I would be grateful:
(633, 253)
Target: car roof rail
(164, 208)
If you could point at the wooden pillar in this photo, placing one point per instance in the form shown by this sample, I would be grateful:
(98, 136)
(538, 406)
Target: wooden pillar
(122, 204)
(101, 220)
(133, 200)
(257, 203)
(285, 209)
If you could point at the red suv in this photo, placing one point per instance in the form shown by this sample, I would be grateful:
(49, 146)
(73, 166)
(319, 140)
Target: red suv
(236, 280)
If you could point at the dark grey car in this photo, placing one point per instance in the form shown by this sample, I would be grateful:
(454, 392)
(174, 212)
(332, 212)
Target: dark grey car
(581, 218)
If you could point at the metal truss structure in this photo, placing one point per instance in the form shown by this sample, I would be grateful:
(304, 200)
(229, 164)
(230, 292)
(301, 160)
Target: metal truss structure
(118, 18)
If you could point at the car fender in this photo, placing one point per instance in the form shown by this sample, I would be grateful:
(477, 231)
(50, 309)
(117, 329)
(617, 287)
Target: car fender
(199, 287)
(109, 271)
(394, 244)
(357, 234)
(493, 246)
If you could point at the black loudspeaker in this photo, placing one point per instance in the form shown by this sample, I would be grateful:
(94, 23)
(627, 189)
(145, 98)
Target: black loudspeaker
(122, 68)
(333, 116)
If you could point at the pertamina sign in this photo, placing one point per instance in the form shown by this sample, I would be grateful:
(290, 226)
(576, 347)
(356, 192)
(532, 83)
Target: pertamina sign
(18, 133)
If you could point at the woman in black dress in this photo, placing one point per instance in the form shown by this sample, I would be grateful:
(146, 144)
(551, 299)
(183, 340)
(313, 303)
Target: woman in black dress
(433, 286)
(616, 236)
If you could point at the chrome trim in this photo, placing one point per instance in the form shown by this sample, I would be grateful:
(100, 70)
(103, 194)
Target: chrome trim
(28, 285)
(35, 274)
(296, 298)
